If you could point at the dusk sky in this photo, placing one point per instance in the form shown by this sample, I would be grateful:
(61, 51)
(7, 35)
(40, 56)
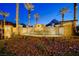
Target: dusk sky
(46, 11)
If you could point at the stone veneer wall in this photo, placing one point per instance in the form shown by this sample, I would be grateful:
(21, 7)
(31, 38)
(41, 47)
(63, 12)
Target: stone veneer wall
(65, 30)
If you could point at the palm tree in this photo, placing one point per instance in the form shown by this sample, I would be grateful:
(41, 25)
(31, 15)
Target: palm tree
(4, 14)
(17, 14)
(75, 10)
(36, 17)
(63, 11)
(1, 34)
(29, 7)
(75, 17)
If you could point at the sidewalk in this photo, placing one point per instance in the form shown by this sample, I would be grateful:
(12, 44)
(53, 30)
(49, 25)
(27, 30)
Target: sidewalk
(43, 35)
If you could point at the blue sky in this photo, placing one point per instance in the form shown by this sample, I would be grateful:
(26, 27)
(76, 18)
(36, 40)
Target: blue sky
(47, 12)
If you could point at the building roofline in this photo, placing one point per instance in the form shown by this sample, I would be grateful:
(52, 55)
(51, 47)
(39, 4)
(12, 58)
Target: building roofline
(69, 21)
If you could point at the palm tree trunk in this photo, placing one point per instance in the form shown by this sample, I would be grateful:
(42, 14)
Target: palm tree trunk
(75, 13)
(4, 27)
(62, 19)
(17, 14)
(28, 18)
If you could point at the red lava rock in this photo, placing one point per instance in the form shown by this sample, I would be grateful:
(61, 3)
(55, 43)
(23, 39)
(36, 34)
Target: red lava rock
(49, 46)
